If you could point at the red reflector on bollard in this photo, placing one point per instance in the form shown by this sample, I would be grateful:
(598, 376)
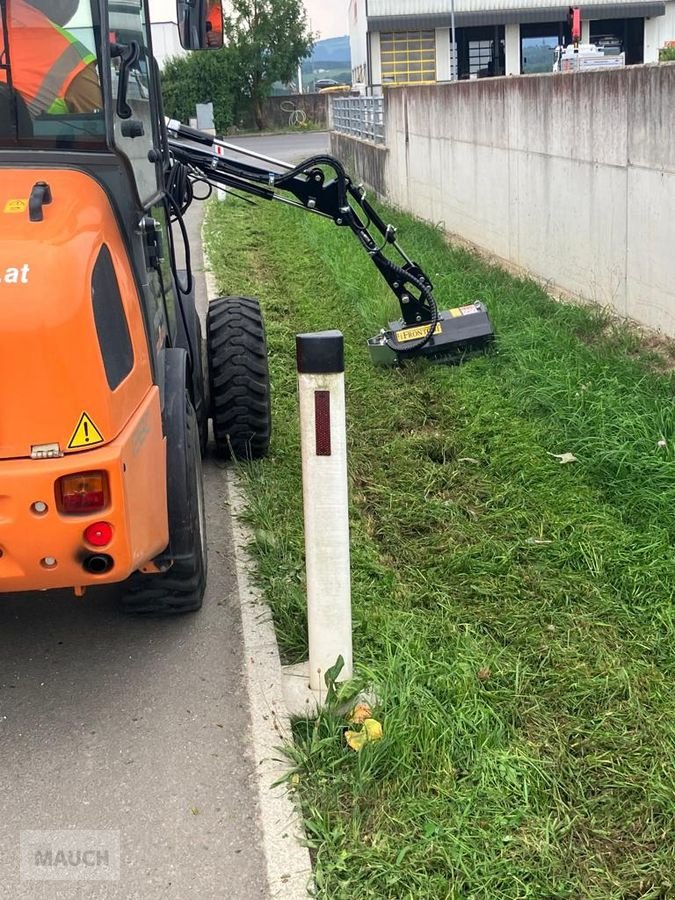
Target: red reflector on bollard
(322, 423)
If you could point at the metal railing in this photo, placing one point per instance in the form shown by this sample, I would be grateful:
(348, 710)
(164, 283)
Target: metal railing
(361, 117)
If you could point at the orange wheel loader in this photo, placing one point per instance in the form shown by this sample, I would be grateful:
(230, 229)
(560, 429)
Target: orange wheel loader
(104, 392)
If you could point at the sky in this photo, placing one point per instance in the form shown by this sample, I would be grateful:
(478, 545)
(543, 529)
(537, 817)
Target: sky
(329, 17)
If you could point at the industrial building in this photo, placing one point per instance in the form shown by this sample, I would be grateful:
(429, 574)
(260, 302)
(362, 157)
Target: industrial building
(410, 41)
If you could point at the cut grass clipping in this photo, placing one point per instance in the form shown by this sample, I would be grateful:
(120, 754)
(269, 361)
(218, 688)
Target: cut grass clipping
(513, 608)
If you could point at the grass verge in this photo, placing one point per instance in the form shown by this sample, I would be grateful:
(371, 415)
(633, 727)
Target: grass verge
(514, 614)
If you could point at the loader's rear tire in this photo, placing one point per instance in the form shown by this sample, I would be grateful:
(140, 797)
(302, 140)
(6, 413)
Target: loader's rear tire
(239, 378)
(181, 588)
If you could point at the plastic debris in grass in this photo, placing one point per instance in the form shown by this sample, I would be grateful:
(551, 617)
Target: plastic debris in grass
(360, 713)
(564, 458)
(365, 729)
(369, 732)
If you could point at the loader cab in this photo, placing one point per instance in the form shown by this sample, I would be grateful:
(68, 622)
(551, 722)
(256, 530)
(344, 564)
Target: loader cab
(78, 77)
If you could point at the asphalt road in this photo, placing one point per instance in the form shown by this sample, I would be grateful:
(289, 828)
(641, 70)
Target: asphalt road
(290, 147)
(132, 726)
(136, 727)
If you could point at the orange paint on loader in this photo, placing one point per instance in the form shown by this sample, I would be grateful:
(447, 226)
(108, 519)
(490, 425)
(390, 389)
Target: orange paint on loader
(54, 391)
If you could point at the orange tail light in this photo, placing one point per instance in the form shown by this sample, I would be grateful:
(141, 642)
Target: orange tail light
(85, 492)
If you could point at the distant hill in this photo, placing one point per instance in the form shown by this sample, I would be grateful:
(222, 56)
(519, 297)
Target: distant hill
(332, 59)
(333, 50)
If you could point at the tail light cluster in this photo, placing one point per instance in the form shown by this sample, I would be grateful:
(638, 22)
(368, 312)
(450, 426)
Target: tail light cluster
(85, 492)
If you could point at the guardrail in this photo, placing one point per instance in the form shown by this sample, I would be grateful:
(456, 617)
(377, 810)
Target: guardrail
(361, 117)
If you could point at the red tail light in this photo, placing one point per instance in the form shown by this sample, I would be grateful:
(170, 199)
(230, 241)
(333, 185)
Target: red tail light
(99, 534)
(85, 492)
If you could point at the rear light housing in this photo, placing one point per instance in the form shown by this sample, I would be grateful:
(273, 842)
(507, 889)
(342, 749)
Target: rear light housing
(85, 492)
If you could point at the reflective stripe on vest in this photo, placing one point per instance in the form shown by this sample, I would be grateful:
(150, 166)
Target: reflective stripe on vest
(43, 79)
(57, 81)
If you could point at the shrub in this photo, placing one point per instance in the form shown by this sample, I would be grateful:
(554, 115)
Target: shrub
(204, 78)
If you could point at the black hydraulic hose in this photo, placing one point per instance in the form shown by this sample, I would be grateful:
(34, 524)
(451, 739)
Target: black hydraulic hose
(174, 270)
(179, 188)
(433, 308)
(178, 217)
(180, 194)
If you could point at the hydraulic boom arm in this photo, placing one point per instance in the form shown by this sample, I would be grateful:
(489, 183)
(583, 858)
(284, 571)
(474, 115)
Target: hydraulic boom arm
(198, 156)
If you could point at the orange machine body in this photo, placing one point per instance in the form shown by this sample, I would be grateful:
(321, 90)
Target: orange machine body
(77, 392)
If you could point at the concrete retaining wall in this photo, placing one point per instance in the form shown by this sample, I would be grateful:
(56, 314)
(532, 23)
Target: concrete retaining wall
(571, 178)
(366, 162)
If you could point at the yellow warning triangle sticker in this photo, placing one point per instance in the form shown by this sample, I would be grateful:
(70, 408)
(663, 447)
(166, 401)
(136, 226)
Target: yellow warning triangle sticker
(85, 435)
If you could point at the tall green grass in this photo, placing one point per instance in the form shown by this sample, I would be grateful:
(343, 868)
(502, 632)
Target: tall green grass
(515, 615)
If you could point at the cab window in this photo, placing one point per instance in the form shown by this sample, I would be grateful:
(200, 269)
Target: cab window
(50, 87)
(135, 114)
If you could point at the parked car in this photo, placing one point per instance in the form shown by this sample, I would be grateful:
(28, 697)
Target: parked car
(325, 83)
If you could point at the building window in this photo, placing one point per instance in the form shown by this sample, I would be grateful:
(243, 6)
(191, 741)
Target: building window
(480, 52)
(620, 36)
(481, 57)
(408, 57)
(538, 43)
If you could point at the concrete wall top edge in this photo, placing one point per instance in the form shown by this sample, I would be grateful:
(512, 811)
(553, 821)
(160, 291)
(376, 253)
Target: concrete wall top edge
(613, 117)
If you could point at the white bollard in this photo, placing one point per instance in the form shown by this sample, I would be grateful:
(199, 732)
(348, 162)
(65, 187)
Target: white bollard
(321, 383)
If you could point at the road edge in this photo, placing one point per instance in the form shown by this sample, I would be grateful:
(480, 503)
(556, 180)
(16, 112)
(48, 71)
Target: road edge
(289, 868)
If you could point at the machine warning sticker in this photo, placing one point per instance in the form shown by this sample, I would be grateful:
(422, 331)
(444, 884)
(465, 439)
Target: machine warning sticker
(85, 435)
(469, 310)
(413, 334)
(16, 206)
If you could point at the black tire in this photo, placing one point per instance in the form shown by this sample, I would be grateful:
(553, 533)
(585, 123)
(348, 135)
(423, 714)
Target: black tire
(181, 588)
(239, 378)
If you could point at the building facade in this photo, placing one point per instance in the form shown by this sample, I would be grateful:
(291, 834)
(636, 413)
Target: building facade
(410, 41)
(165, 42)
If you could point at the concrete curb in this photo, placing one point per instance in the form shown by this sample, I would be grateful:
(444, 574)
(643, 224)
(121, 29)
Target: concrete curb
(289, 869)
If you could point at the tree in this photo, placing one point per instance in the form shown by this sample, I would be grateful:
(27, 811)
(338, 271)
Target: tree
(271, 38)
(211, 76)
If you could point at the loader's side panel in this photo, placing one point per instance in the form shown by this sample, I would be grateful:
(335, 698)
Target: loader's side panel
(74, 355)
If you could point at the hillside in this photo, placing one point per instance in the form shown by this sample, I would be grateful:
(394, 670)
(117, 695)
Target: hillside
(333, 50)
(330, 59)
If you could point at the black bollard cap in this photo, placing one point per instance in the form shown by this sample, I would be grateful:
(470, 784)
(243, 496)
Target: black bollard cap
(320, 353)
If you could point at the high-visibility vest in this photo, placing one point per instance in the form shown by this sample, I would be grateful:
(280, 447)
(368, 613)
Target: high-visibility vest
(44, 59)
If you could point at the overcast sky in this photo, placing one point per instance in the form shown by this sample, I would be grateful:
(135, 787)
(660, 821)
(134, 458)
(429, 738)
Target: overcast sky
(329, 17)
